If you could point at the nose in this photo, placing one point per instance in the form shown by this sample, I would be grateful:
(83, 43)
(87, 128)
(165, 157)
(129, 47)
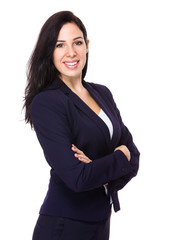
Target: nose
(71, 51)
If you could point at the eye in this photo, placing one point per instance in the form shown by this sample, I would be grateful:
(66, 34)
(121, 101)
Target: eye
(78, 43)
(60, 45)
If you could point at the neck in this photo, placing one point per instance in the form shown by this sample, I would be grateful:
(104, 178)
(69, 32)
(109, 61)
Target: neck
(75, 84)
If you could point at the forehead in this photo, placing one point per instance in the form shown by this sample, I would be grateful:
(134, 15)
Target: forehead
(69, 31)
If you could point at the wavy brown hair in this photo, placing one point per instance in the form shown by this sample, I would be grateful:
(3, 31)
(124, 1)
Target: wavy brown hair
(41, 71)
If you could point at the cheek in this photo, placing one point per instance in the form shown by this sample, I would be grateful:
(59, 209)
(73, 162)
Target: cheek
(56, 59)
(84, 58)
(82, 54)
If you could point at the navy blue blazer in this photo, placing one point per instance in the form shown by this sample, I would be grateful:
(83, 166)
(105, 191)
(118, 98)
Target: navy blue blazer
(76, 190)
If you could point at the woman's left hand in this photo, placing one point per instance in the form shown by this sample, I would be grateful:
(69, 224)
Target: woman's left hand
(80, 155)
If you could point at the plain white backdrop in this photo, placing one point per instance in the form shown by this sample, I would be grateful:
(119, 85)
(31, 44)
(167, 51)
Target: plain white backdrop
(131, 52)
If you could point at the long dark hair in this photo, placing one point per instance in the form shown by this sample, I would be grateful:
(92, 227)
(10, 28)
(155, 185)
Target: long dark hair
(41, 71)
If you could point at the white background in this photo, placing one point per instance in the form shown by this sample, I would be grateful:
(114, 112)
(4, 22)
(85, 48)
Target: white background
(131, 52)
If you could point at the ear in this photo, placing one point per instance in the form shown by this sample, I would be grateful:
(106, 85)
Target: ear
(87, 46)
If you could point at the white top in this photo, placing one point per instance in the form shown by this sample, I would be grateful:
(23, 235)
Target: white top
(107, 121)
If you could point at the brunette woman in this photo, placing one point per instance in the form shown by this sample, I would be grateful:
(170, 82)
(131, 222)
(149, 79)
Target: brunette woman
(90, 151)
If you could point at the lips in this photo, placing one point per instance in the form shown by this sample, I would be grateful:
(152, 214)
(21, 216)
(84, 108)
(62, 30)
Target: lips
(71, 64)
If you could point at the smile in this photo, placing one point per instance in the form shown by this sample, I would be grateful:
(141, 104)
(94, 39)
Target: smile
(72, 64)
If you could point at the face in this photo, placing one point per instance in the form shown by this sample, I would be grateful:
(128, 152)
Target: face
(69, 56)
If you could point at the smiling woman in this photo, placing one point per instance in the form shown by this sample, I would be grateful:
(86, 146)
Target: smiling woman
(90, 151)
(69, 56)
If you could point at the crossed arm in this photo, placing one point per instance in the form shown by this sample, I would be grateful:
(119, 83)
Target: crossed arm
(83, 158)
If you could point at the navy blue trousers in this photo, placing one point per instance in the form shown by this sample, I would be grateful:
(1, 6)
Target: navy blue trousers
(58, 228)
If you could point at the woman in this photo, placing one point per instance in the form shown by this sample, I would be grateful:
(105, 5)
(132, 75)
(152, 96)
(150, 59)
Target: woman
(90, 151)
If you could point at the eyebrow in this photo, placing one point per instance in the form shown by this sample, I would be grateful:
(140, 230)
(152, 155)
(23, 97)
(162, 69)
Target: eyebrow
(73, 39)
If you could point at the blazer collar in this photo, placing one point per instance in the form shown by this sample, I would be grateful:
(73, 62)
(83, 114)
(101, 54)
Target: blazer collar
(59, 84)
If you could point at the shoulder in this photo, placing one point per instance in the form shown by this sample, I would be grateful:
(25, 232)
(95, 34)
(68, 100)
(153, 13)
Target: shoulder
(99, 87)
(105, 93)
(52, 99)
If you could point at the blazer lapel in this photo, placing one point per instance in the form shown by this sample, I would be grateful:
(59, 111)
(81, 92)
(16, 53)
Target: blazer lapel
(110, 113)
(91, 114)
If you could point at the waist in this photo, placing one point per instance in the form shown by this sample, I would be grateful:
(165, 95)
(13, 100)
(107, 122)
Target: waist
(61, 201)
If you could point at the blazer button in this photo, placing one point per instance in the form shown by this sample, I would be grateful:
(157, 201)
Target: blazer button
(124, 170)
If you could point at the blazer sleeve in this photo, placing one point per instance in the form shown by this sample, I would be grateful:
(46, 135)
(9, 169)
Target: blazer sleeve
(126, 139)
(52, 126)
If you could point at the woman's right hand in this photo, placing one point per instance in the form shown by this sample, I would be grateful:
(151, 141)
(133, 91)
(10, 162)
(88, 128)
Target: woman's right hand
(80, 155)
(125, 150)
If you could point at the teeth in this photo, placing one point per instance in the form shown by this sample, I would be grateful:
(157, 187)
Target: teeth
(71, 64)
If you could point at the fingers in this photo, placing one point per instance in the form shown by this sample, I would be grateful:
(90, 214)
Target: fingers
(83, 158)
(80, 155)
(125, 150)
(75, 149)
